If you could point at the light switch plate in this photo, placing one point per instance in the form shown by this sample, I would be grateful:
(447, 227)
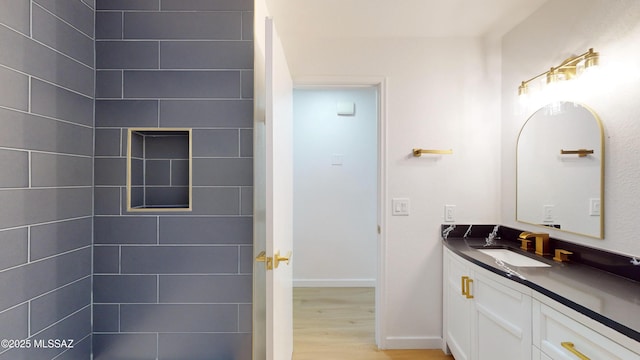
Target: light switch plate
(449, 213)
(400, 207)
(594, 207)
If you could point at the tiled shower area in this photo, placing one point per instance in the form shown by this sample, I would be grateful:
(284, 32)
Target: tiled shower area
(132, 252)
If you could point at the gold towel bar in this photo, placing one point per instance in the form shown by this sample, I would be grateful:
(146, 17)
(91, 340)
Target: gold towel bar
(418, 152)
(579, 152)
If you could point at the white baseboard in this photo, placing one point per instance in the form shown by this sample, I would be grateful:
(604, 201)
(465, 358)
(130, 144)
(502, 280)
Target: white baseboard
(334, 283)
(411, 342)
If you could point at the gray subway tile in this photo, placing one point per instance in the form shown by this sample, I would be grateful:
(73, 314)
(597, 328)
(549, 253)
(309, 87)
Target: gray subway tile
(126, 55)
(14, 323)
(179, 259)
(215, 142)
(137, 172)
(15, 96)
(125, 346)
(246, 259)
(247, 84)
(180, 172)
(158, 172)
(55, 238)
(57, 34)
(161, 146)
(106, 200)
(56, 305)
(247, 25)
(205, 288)
(32, 206)
(207, 5)
(81, 350)
(15, 245)
(127, 5)
(32, 132)
(167, 197)
(181, 84)
(206, 55)
(51, 170)
(56, 102)
(16, 15)
(182, 25)
(206, 230)
(206, 113)
(178, 318)
(108, 25)
(124, 289)
(124, 230)
(246, 200)
(108, 142)
(204, 346)
(245, 318)
(109, 84)
(38, 60)
(106, 318)
(74, 12)
(223, 171)
(246, 143)
(106, 259)
(110, 171)
(15, 169)
(126, 113)
(44, 276)
(76, 327)
(216, 201)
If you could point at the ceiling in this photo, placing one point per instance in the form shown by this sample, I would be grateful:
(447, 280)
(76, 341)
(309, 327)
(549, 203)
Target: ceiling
(399, 18)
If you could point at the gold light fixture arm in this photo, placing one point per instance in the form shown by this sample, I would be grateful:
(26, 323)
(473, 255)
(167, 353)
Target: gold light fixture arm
(419, 152)
(567, 68)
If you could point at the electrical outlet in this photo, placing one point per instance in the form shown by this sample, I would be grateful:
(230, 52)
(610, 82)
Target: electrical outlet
(449, 213)
(400, 207)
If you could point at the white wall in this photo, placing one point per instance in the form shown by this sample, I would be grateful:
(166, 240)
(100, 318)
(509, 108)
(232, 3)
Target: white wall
(335, 218)
(440, 94)
(569, 27)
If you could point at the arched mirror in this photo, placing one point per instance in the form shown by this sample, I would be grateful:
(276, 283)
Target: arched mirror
(560, 170)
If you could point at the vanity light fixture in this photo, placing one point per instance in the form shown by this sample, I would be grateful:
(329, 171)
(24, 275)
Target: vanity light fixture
(567, 70)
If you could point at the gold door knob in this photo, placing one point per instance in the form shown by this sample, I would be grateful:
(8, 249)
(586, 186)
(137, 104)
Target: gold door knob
(267, 260)
(277, 259)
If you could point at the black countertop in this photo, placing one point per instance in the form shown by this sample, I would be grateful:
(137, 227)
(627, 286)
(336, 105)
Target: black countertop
(610, 299)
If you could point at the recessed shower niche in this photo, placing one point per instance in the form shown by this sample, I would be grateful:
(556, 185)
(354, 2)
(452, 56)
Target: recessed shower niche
(159, 169)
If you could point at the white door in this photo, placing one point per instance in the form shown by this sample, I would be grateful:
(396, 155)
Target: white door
(273, 204)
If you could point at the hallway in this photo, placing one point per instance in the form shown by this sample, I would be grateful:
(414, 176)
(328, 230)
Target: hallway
(338, 323)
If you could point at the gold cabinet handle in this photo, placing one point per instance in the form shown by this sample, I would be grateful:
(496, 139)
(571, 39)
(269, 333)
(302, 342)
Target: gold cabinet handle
(277, 259)
(569, 346)
(466, 291)
(267, 260)
(469, 281)
(463, 284)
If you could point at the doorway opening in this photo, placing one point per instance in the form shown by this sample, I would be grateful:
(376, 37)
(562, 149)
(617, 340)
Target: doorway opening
(337, 200)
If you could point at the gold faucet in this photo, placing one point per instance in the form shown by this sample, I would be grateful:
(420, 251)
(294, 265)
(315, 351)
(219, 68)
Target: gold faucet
(542, 242)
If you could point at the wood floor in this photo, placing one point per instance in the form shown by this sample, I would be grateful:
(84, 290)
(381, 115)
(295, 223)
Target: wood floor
(338, 324)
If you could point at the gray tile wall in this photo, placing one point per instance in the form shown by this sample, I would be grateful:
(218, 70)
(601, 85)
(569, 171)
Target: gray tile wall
(46, 176)
(174, 285)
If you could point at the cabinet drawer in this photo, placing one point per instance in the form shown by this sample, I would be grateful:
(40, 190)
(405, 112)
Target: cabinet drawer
(563, 338)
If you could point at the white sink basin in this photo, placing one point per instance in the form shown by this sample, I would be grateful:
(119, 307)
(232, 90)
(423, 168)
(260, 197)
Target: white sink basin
(513, 258)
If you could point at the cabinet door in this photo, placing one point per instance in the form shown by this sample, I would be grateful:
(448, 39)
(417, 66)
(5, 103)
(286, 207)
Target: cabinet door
(457, 308)
(502, 318)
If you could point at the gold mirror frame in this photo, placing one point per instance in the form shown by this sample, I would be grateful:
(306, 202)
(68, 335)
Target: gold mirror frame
(559, 169)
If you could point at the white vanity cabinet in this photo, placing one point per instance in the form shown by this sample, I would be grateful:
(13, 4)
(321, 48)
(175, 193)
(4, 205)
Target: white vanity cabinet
(485, 317)
(562, 334)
